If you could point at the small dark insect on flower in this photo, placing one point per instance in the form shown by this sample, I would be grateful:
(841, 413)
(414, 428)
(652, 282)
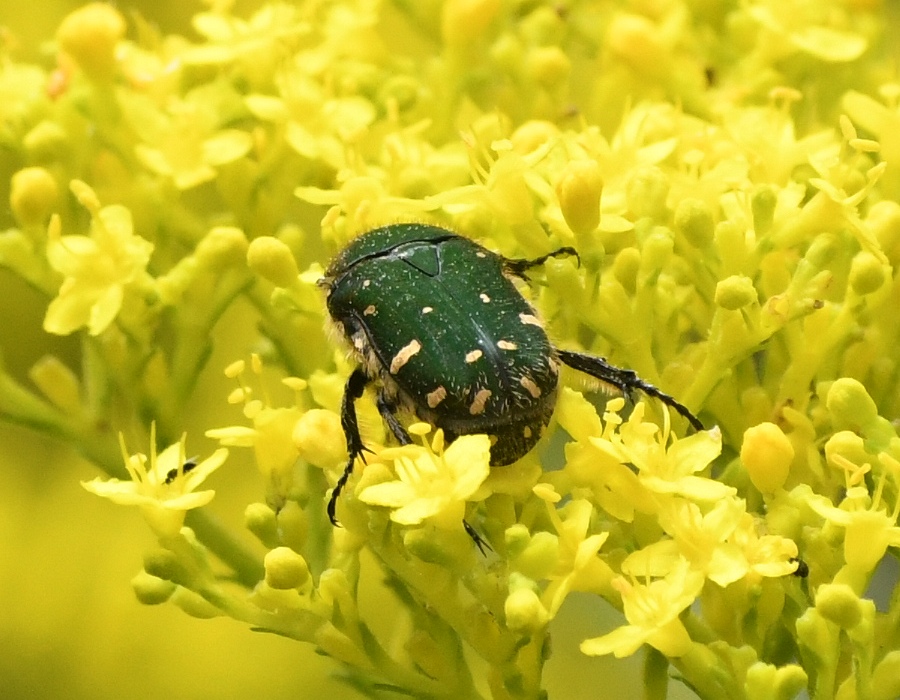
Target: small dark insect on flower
(188, 466)
(437, 323)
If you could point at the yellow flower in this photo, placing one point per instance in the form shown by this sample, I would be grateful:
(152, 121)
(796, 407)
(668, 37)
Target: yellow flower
(652, 612)
(722, 544)
(97, 268)
(166, 489)
(271, 435)
(869, 527)
(666, 467)
(578, 567)
(186, 144)
(432, 483)
(604, 461)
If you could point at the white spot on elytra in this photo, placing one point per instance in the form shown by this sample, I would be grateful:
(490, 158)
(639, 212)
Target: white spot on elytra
(369, 310)
(530, 320)
(478, 403)
(366, 283)
(530, 387)
(427, 309)
(506, 345)
(473, 355)
(402, 357)
(526, 431)
(485, 298)
(435, 397)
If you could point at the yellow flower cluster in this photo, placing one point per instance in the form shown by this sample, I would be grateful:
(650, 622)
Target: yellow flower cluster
(730, 177)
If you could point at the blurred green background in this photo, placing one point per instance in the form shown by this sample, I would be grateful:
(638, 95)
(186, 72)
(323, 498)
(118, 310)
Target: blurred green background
(70, 626)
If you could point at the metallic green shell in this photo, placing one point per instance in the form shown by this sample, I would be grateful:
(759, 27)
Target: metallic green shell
(434, 316)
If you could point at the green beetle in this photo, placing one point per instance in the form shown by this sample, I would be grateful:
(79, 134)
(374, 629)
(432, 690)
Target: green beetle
(436, 321)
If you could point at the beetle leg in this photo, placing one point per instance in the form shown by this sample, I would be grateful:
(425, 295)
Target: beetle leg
(625, 380)
(353, 390)
(519, 266)
(388, 410)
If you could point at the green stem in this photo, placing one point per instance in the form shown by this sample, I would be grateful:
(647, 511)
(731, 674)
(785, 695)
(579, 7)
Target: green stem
(248, 571)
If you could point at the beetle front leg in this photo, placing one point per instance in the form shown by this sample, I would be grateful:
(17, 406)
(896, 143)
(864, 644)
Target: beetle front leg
(353, 390)
(519, 266)
(625, 380)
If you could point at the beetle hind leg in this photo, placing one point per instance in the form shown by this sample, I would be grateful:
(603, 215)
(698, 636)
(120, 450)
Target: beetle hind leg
(625, 380)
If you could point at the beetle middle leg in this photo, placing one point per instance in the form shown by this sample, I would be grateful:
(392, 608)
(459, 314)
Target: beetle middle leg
(519, 266)
(387, 407)
(625, 380)
(356, 385)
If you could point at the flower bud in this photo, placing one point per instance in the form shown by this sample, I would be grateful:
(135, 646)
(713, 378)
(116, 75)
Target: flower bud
(539, 557)
(637, 41)
(849, 404)
(579, 192)
(767, 454)
(867, 273)
(465, 21)
(272, 259)
(285, 569)
(223, 246)
(524, 611)
(193, 604)
(548, 65)
(762, 204)
(838, 603)
(151, 590)
(293, 525)
(532, 135)
(90, 35)
(58, 383)
(625, 268)
(261, 520)
(33, 196)
(735, 292)
(646, 193)
(848, 445)
(46, 142)
(164, 564)
(694, 221)
(774, 682)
